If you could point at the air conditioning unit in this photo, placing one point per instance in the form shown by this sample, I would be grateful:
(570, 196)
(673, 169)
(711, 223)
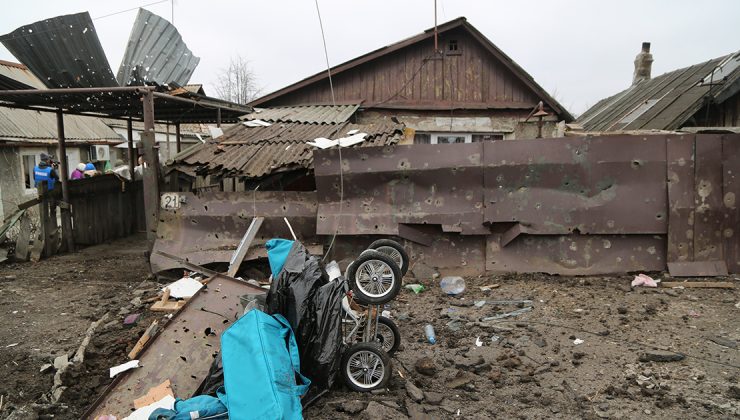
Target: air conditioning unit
(100, 152)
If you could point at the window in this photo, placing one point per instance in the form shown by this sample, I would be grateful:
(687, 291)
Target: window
(454, 138)
(29, 162)
(452, 45)
(487, 137)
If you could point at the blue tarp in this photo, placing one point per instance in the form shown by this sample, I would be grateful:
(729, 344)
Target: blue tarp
(277, 253)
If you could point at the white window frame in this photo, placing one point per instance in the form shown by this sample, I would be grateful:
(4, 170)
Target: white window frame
(435, 135)
(35, 152)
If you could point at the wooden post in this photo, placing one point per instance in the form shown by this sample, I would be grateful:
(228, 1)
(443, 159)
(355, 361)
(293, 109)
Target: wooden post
(67, 233)
(218, 117)
(177, 137)
(151, 171)
(131, 156)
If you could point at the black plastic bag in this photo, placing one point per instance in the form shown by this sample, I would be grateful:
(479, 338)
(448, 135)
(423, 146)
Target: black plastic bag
(312, 305)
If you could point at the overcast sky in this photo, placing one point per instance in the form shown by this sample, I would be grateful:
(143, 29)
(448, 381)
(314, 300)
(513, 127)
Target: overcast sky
(579, 51)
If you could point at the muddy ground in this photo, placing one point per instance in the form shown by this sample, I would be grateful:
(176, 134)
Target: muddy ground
(527, 366)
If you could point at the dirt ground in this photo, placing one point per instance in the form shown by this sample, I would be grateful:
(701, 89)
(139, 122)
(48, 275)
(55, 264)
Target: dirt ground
(527, 366)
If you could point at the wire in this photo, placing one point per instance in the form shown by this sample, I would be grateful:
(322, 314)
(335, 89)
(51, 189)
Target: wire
(96, 18)
(339, 146)
(133, 8)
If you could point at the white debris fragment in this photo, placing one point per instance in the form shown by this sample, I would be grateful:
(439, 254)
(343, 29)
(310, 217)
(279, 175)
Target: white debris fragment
(184, 288)
(11, 345)
(577, 341)
(478, 341)
(115, 370)
(351, 132)
(257, 123)
(215, 132)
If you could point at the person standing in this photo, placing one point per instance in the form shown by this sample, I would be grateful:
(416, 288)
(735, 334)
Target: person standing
(44, 171)
(79, 172)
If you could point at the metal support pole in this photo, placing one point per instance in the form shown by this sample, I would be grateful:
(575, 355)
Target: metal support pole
(151, 171)
(177, 137)
(218, 118)
(63, 177)
(131, 155)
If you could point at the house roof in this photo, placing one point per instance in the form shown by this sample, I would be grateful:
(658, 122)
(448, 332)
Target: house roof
(27, 126)
(668, 101)
(460, 22)
(312, 114)
(255, 152)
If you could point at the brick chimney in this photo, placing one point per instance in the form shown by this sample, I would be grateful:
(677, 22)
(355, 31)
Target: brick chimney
(643, 64)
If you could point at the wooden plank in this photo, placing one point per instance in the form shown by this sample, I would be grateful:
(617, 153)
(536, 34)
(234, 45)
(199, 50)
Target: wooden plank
(708, 199)
(680, 176)
(699, 284)
(38, 246)
(697, 268)
(148, 334)
(243, 247)
(24, 238)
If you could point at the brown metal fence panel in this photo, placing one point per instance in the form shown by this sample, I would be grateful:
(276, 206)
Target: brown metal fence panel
(576, 205)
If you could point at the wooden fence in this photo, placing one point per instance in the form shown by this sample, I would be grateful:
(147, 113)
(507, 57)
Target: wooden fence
(103, 208)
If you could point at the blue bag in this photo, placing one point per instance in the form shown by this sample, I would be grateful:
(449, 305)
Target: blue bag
(261, 364)
(277, 253)
(200, 407)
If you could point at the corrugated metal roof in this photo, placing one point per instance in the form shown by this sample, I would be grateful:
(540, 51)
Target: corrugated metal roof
(312, 114)
(63, 51)
(258, 151)
(665, 102)
(155, 53)
(22, 124)
(20, 73)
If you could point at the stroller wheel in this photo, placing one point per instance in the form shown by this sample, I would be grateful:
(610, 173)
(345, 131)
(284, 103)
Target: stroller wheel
(375, 278)
(394, 250)
(388, 336)
(366, 367)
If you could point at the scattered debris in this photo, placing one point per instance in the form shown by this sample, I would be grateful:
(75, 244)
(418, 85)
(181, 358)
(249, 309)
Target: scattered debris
(507, 314)
(700, 284)
(184, 288)
(644, 280)
(148, 334)
(155, 394)
(452, 285)
(414, 392)
(489, 287)
(578, 341)
(429, 333)
(115, 370)
(415, 287)
(131, 320)
(725, 342)
(661, 356)
(11, 345)
(426, 366)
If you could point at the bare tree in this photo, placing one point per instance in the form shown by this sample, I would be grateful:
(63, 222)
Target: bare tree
(237, 82)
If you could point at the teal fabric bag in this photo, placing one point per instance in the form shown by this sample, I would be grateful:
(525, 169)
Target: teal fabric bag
(262, 368)
(277, 253)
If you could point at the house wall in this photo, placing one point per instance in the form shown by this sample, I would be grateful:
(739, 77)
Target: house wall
(12, 183)
(468, 78)
(512, 124)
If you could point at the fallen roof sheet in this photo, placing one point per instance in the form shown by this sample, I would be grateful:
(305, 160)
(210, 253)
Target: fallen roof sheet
(63, 51)
(259, 151)
(665, 102)
(155, 53)
(312, 114)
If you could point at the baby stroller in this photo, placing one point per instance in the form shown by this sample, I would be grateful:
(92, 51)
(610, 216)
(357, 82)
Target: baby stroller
(337, 319)
(371, 339)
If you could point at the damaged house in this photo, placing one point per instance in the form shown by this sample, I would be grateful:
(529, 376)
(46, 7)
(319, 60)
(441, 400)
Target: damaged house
(450, 84)
(25, 134)
(688, 99)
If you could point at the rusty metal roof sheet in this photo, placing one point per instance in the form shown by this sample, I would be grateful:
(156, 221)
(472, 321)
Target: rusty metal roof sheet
(63, 51)
(155, 53)
(312, 114)
(258, 151)
(665, 102)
